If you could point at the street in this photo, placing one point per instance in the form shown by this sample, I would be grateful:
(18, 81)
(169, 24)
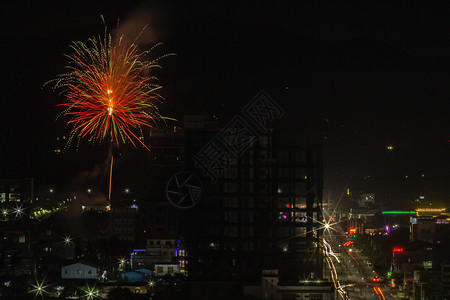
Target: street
(351, 271)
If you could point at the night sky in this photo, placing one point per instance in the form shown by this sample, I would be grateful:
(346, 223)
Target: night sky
(355, 77)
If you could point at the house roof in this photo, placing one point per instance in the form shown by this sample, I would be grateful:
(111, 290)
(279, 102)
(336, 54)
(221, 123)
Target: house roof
(83, 263)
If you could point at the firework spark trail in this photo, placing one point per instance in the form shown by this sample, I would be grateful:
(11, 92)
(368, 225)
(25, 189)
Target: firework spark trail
(107, 92)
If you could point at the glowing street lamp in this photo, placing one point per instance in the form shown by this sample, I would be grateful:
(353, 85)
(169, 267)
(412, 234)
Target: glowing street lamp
(90, 292)
(18, 211)
(67, 240)
(122, 262)
(38, 289)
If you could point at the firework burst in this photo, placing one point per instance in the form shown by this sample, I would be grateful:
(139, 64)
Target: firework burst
(109, 93)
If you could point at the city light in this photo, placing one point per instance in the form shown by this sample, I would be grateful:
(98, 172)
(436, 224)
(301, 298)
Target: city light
(329, 250)
(260, 187)
(38, 289)
(397, 250)
(346, 244)
(90, 292)
(67, 240)
(398, 213)
(18, 211)
(122, 262)
(379, 292)
(429, 211)
(134, 253)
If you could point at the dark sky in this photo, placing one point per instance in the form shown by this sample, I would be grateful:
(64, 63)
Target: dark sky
(356, 77)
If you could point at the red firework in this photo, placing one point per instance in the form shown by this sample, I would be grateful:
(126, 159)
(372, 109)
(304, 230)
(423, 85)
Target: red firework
(107, 90)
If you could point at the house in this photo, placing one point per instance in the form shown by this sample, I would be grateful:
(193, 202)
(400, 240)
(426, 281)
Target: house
(162, 247)
(164, 269)
(80, 270)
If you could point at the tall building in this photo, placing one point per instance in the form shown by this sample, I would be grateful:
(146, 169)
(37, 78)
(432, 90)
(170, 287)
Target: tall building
(132, 219)
(262, 213)
(166, 159)
(123, 223)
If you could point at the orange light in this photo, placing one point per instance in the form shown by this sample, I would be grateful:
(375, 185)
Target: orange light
(429, 211)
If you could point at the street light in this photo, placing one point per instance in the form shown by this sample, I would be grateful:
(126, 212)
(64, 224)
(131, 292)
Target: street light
(122, 262)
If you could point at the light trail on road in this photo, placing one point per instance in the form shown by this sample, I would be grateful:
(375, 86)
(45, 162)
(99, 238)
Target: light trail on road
(337, 285)
(379, 293)
(357, 262)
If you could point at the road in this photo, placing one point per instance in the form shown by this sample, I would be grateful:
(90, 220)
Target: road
(351, 272)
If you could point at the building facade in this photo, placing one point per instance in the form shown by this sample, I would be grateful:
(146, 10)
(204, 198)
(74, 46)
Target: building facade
(80, 271)
(263, 213)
